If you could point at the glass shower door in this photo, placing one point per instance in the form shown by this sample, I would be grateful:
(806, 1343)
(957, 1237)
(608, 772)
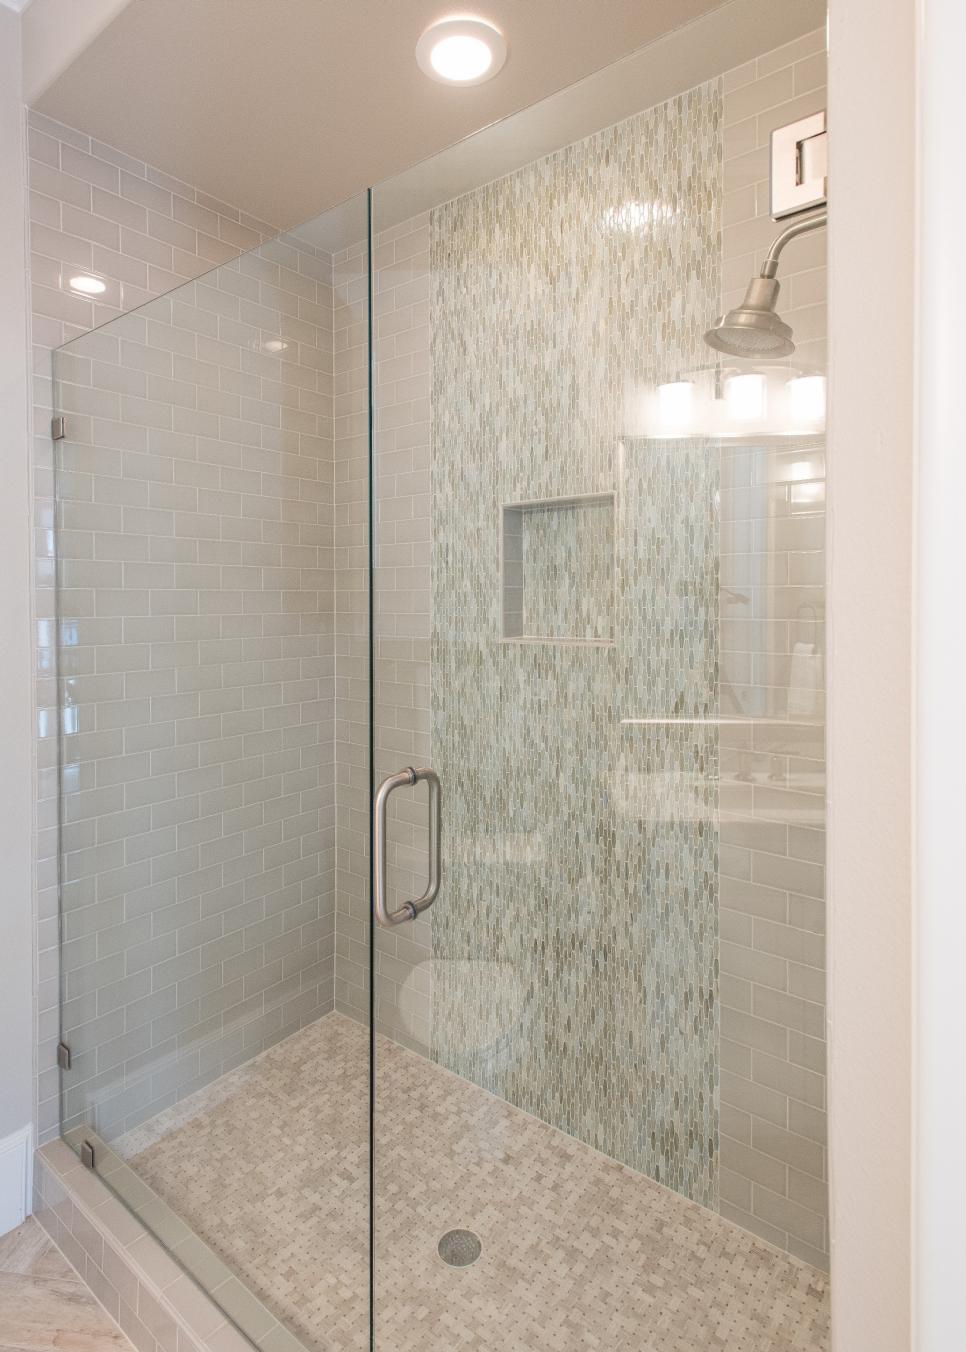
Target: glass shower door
(429, 545)
(597, 606)
(546, 615)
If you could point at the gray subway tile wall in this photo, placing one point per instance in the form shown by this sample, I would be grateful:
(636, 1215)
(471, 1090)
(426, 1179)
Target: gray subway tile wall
(351, 558)
(402, 618)
(78, 191)
(196, 672)
(774, 1168)
(194, 491)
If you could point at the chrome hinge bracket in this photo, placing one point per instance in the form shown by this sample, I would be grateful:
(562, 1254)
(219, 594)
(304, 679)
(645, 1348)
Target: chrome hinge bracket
(63, 1055)
(799, 165)
(87, 1155)
(58, 429)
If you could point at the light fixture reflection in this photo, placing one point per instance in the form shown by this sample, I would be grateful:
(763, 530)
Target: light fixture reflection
(776, 400)
(807, 494)
(801, 471)
(675, 406)
(806, 401)
(86, 285)
(635, 217)
(745, 397)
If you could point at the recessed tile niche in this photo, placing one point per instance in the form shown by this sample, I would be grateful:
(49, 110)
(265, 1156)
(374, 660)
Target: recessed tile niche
(558, 570)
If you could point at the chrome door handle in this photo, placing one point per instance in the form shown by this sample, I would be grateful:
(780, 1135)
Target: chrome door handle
(409, 909)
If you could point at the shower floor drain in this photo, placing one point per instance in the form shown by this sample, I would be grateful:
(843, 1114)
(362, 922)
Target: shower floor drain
(460, 1248)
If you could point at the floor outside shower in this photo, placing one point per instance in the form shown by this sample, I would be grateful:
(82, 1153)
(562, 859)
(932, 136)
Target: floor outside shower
(269, 1166)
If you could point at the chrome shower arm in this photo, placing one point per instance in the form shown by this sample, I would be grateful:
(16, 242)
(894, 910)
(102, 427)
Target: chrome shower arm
(769, 268)
(753, 329)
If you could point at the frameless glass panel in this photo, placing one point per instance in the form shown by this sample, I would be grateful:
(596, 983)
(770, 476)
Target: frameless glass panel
(598, 606)
(196, 508)
(590, 552)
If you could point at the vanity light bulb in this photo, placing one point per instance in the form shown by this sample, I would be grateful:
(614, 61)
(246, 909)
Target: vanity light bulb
(675, 405)
(806, 401)
(745, 397)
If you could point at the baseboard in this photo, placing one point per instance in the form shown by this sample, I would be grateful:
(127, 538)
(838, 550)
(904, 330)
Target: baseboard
(16, 1182)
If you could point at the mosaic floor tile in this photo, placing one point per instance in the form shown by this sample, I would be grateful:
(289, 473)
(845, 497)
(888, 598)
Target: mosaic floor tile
(270, 1167)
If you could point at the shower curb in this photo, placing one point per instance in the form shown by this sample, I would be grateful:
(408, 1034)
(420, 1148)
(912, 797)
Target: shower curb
(154, 1303)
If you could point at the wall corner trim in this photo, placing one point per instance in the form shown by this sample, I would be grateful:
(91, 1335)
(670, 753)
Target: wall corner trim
(16, 1177)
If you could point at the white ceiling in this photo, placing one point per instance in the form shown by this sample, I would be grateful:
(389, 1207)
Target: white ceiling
(284, 107)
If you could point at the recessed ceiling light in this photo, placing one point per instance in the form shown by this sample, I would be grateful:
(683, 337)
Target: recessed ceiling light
(461, 51)
(85, 285)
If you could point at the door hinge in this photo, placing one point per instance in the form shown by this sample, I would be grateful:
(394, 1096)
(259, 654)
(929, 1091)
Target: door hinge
(799, 165)
(87, 1155)
(63, 1055)
(58, 429)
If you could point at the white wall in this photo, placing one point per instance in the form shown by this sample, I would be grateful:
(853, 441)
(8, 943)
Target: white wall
(16, 960)
(872, 118)
(940, 1179)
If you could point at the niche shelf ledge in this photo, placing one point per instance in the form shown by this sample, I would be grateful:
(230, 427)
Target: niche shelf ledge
(558, 570)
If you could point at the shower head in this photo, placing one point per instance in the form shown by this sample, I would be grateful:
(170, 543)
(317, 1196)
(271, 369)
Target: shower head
(754, 328)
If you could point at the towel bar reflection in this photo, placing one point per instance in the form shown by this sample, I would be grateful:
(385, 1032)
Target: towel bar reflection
(409, 909)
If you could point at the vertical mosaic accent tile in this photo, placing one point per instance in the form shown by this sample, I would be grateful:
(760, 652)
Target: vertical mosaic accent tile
(575, 940)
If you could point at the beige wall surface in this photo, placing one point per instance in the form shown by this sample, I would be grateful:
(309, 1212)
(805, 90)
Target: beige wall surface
(872, 115)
